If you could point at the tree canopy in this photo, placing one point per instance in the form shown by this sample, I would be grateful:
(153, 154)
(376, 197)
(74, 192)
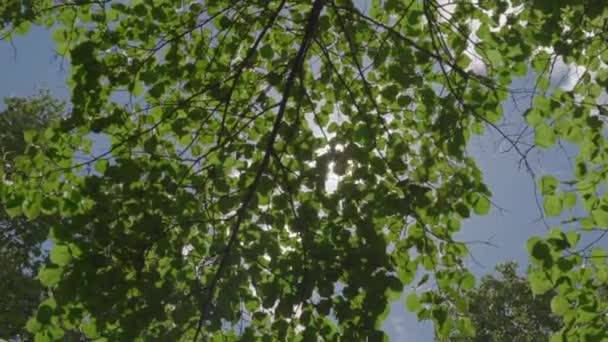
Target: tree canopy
(211, 213)
(20, 239)
(503, 308)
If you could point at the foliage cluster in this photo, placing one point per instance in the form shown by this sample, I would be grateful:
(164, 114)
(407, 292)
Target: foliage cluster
(209, 213)
(20, 239)
(503, 309)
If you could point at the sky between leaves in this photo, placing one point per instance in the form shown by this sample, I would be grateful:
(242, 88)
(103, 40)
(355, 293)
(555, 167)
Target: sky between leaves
(29, 63)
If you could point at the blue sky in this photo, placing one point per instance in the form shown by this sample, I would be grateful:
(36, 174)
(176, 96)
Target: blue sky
(29, 64)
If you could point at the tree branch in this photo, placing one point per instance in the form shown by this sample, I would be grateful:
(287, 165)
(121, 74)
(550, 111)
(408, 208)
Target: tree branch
(298, 62)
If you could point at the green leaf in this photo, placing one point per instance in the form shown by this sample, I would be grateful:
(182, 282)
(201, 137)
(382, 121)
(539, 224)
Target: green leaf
(13, 209)
(31, 208)
(548, 185)
(533, 117)
(42, 337)
(136, 88)
(557, 337)
(462, 210)
(29, 135)
(600, 217)
(468, 281)
(101, 166)
(541, 61)
(569, 200)
(545, 136)
(466, 327)
(23, 28)
(90, 329)
(574, 135)
(33, 326)
(394, 289)
(495, 57)
(412, 302)
(573, 237)
(440, 316)
(44, 314)
(50, 276)
(482, 205)
(598, 256)
(559, 305)
(540, 251)
(267, 52)
(542, 103)
(553, 205)
(60, 255)
(463, 61)
(538, 283)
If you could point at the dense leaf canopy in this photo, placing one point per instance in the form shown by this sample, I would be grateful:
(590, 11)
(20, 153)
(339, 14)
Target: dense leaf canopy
(21, 239)
(281, 169)
(503, 309)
